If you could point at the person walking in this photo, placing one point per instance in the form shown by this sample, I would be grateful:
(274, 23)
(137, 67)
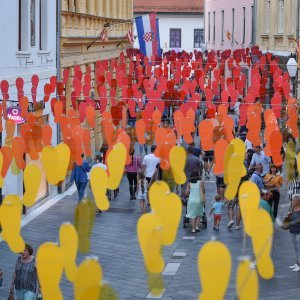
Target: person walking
(257, 178)
(24, 278)
(217, 211)
(196, 200)
(80, 176)
(264, 203)
(294, 228)
(273, 181)
(142, 189)
(259, 157)
(149, 163)
(132, 171)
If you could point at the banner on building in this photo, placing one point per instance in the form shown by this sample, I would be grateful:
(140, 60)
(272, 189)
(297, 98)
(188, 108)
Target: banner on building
(148, 34)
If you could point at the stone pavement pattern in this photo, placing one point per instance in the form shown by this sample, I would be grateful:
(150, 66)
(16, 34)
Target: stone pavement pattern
(115, 243)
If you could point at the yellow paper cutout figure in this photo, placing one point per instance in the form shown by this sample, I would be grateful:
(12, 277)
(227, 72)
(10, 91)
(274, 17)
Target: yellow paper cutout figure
(107, 293)
(88, 280)
(50, 264)
(228, 154)
(177, 162)
(214, 265)
(68, 240)
(249, 196)
(99, 183)
(84, 222)
(150, 238)
(1, 164)
(247, 284)
(298, 162)
(116, 162)
(10, 216)
(239, 147)
(262, 237)
(55, 161)
(235, 171)
(290, 160)
(32, 181)
(155, 284)
(168, 207)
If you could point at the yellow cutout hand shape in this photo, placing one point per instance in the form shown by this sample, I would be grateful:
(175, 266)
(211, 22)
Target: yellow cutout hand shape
(235, 171)
(68, 240)
(150, 238)
(247, 283)
(107, 293)
(116, 162)
(55, 161)
(50, 264)
(99, 183)
(168, 207)
(262, 237)
(32, 181)
(214, 265)
(84, 222)
(88, 280)
(177, 162)
(10, 216)
(249, 202)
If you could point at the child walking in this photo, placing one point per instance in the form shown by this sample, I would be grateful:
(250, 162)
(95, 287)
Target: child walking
(217, 210)
(142, 188)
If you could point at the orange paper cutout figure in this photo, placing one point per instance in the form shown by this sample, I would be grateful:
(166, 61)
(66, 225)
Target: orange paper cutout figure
(73, 118)
(90, 116)
(108, 128)
(10, 131)
(228, 125)
(140, 128)
(156, 119)
(275, 145)
(18, 149)
(271, 125)
(178, 122)
(220, 149)
(293, 121)
(254, 126)
(87, 142)
(47, 135)
(7, 158)
(206, 129)
(188, 126)
(24, 107)
(165, 139)
(222, 111)
(58, 110)
(64, 122)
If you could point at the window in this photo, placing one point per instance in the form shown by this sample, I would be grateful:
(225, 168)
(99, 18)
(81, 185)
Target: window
(244, 24)
(252, 24)
(222, 24)
(198, 38)
(267, 15)
(175, 38)
(23, 25)
(233, 11)
(280, 16)
(209, 26)
(32, 23)
(214, 26)
(43, 25)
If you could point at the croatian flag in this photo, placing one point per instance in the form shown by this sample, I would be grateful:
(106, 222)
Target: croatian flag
(148, 34)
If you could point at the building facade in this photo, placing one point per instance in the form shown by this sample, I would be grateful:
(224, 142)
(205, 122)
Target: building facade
(81, 22)
(28, 48)
(181, 23)
(229, 24)
(276, 26)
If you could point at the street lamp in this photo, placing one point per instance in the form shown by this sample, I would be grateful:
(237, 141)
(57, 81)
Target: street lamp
(292, 68)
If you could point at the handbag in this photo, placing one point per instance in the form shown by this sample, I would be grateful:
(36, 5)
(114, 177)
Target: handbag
(11, 296)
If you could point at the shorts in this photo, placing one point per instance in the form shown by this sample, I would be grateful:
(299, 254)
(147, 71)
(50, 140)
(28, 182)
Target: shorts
(209, 155)
(233, 203)
(220, 182)
(217, 217)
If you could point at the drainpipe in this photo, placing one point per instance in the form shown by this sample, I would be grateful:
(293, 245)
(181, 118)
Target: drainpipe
(254, 21)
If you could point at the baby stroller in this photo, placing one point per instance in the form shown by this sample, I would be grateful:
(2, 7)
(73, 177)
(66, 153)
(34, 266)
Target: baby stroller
(186, 220)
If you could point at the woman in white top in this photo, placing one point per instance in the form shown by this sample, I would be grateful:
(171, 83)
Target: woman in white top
(142, 189)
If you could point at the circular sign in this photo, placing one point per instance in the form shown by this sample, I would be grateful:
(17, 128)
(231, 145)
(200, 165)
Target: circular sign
(14, 115)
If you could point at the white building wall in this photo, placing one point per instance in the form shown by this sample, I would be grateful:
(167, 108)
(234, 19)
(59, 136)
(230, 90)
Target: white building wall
(26, 63)
(187, 24)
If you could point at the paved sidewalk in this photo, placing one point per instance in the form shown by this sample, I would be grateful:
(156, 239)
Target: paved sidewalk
(115, 243)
